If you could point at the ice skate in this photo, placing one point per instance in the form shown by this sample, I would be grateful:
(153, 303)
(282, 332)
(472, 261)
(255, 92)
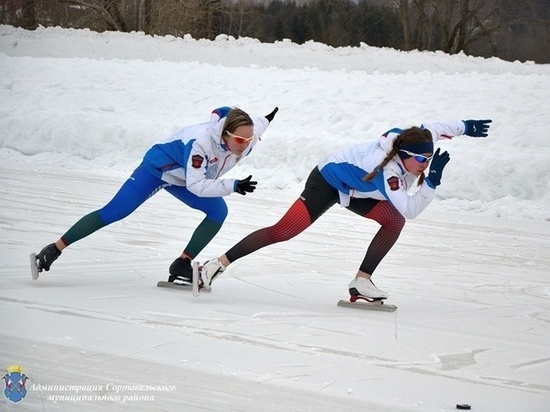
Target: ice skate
(43, 260)
(363, 288)
(181, 271)
(179, 280)
(211, 270)
(365, 295)
(46, 257)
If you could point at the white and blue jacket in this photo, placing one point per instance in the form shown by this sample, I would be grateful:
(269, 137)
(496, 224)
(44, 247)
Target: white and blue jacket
(196, 156)
(345, 169)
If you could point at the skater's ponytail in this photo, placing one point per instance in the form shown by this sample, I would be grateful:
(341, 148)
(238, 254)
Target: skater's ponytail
(406, 138)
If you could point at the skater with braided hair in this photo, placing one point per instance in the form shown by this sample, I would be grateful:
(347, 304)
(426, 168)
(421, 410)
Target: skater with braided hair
(372, 180)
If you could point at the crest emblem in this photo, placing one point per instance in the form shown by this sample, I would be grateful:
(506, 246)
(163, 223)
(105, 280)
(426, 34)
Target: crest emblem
(196, 161)
(15, 381)
(393, 183)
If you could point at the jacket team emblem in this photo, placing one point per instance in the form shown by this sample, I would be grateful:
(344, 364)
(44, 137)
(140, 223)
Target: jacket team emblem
(196, 161)
(393, 183)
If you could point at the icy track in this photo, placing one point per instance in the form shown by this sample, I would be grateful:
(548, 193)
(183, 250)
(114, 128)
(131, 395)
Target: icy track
(470, 275)
(472, 324)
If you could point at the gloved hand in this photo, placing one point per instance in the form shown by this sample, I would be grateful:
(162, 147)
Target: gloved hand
(436, 168)
(477, 128)
(271, 115)
(245, 185)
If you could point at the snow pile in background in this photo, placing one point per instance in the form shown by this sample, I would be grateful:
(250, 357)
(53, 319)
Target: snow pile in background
(88, 100)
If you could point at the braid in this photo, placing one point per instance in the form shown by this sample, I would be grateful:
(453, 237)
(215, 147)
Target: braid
(395, 149)
(408, 136)
(421, 179)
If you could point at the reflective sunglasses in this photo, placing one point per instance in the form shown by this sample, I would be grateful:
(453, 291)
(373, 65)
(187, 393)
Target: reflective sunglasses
(239, 139)
(418, 157)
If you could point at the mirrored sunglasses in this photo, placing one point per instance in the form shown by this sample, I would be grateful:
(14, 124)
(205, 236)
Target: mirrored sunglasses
(239, 139)
(418, 157)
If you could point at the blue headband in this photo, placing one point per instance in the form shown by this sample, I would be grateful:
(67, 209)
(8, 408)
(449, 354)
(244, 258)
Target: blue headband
(418, 147)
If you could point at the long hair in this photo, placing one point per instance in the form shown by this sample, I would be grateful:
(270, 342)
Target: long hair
(408, 136)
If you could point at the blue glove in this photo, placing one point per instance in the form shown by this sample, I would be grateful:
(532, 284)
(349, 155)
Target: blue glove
(436, 168)
(477, 128)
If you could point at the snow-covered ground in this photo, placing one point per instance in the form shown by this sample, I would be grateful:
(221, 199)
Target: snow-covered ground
(470, 275)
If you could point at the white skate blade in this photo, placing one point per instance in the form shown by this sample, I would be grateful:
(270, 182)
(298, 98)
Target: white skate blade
(35, 273)
(177, 286)
(196, 277)
(377, 305)
(172, 285)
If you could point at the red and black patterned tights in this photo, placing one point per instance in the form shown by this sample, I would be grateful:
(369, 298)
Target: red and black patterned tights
(392, 223)
(297, 219)
(294, 222)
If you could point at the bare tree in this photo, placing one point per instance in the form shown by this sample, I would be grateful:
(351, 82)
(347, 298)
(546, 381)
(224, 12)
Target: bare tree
(240, 18)
(509, 29)
(180, 17)
(139, 15)
(109, 10)
(456, 25)
(20, 13)
(461, 27)
(403, 7)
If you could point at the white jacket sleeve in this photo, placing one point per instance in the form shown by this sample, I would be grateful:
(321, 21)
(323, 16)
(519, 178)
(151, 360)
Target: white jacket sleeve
(260, 125)
(201, 178)
(445, 130)
(396, 191)
(419, 201)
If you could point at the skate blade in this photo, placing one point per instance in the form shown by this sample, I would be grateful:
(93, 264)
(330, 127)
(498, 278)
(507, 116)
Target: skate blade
(363, 298)
(377, 305)
(35, 273)
(177, 286)
(196, 279)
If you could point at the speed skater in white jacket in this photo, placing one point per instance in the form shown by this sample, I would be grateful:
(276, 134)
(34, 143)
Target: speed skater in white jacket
(197, 156)
(372, 180)
(346, 168)
(188, 165)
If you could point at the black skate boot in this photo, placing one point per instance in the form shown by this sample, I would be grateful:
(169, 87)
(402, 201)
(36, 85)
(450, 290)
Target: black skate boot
(46, 257)
(181, 271)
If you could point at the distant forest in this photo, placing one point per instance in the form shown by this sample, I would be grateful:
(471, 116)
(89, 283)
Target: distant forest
(508, 29)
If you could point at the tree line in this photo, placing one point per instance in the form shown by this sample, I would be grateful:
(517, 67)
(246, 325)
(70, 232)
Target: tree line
(509, 29)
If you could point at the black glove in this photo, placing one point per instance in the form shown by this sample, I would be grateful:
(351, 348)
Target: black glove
(436, 168)
(271, 115)
(245, 185)
(477, 128)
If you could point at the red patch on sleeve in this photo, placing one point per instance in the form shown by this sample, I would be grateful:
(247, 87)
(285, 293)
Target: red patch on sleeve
(393, 182)
(196, 161)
